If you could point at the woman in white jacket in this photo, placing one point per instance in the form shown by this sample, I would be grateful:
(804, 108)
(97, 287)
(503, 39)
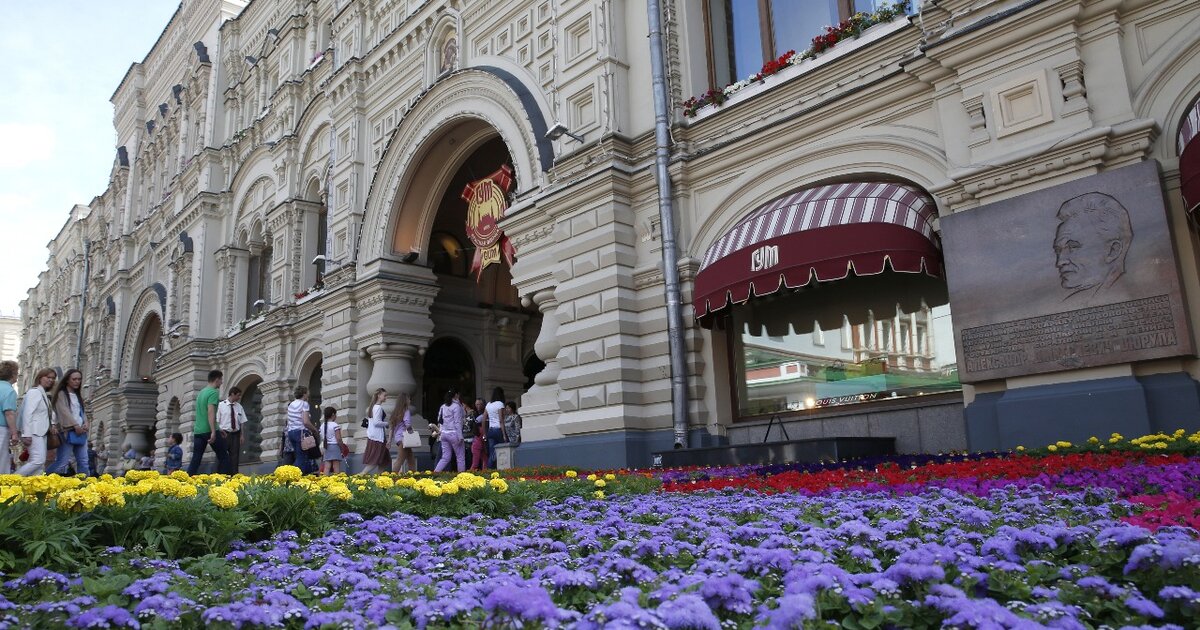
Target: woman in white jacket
(35, 422)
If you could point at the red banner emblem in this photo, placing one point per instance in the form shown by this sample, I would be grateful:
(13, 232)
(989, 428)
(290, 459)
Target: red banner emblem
(487, 200)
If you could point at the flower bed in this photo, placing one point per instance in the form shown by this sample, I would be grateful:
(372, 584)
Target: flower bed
(1078, 538)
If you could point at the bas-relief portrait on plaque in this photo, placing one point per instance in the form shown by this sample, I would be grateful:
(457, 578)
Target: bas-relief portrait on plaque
(1080, 275)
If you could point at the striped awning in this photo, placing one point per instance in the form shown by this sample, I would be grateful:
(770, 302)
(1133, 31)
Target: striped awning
(825, 233)
(1189, 157)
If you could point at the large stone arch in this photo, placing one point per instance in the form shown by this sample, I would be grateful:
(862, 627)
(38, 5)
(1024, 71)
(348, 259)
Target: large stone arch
(842, 158)
(147, 308)
(491, 96)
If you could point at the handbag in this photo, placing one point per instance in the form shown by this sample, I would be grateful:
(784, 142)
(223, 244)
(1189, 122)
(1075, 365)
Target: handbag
(412, 440)
(76, 439)
(308, 444)
(52, 440)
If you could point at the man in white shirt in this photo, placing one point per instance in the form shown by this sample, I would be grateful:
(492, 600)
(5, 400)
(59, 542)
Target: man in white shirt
(230, 418)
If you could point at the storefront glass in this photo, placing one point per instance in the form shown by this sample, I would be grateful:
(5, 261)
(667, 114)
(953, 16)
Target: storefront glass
(873, 355)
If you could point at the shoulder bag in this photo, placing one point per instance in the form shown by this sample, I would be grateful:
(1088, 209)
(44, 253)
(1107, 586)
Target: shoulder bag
(53, 435)
(412, 439)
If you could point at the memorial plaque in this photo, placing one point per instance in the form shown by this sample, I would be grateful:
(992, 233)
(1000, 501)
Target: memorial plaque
(1079, 275)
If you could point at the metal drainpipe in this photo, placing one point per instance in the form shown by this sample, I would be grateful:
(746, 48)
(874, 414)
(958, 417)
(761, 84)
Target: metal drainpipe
(87, 271)
(666, 213)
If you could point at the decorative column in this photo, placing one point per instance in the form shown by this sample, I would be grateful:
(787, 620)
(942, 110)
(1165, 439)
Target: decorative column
(392, 369)
(539, 406)
(546, 347)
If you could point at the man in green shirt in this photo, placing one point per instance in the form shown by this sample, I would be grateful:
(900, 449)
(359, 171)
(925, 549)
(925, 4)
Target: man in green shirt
(204, 430)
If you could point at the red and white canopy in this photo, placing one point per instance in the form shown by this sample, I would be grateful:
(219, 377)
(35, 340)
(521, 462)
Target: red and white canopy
(1189, 157)
(824, 233)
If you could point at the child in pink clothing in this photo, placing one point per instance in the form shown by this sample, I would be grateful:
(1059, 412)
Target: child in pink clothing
(479, 447)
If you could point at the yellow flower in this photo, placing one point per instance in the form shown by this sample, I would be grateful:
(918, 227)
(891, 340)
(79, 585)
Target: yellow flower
(185, 491)
(339, 491)
(1160, 445)
(179, 475)
(572, 474)
(600, 483)
(450, 488)
(1093, 440)
(610, 477)
(82, 500)
(10, 494)
(599, 494)
(592, 477)
(1063, 444)
(1052, 448)
(432, 491)
(495, 475)
(223, 497)
(384, 482)
(499, 485)
(288, 474)
(1179, 433)
(1020, 449)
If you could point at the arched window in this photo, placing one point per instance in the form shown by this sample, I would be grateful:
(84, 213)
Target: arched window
(832, 296)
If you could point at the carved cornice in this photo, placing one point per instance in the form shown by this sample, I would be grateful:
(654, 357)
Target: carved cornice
(1097, 148)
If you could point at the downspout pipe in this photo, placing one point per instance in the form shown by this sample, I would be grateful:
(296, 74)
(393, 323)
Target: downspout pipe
(666, 214)
(87, 272)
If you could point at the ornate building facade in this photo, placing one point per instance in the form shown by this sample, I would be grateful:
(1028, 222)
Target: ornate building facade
(287, 204)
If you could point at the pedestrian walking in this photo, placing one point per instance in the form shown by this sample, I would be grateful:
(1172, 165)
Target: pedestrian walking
(35, 421)
(335, 448)
(401, 430)
(376, 457)
(230, 419)
(298, 422)
(8, 414)
(174, 454)
(70, 421)
(496, 411)
(450, 428)
(478, 439)
(512, 425)
(204, 429)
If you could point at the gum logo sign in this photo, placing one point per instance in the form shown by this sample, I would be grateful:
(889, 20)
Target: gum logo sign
(487, 199)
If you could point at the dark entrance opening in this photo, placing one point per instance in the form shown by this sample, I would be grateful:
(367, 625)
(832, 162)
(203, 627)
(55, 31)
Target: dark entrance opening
(447, 365)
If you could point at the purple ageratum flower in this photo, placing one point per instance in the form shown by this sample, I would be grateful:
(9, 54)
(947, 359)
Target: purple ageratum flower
(527, 601)
(104, 617)
(144, 587)
(169, 607)
(338, 619)
(729, 592)
(791, 612)
(688, 611)
(39, 575)
(1144, 607)
(1181, 594)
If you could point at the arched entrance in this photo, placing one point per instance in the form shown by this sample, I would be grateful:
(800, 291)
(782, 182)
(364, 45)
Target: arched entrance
(252, 430)
(476, 303)
(448, 364)
(139, 392)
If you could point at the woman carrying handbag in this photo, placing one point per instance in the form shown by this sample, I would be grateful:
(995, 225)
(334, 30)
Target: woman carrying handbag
(405, 438)
(35, 423)
(451, 417)
(376, 458)
(72, 424)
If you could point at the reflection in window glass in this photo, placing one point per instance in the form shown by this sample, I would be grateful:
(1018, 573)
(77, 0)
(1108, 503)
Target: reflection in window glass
(745, 31)
(888, 355)
(795, 22)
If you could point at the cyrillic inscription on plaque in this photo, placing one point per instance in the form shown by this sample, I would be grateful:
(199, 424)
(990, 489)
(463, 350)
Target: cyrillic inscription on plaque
(1068, 339)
